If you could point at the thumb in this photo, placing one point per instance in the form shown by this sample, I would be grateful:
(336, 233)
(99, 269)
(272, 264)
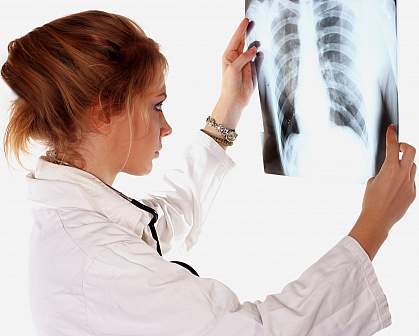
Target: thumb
(244, 58)
(392, 146)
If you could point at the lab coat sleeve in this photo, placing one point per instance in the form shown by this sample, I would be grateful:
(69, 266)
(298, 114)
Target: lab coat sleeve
(185, 195)
(339, 295)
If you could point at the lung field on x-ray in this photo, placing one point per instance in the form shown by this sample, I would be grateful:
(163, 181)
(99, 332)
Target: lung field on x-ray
(337, 52)
(287, 57)
(326, 74)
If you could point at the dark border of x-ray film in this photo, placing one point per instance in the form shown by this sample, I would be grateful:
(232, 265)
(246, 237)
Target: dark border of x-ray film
(380, 153)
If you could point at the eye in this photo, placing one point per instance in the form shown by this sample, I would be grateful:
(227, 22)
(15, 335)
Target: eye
(158, 107)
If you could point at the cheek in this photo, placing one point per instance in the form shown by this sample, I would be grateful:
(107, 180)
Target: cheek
(140, 125)
(147, 135)
(154, 123)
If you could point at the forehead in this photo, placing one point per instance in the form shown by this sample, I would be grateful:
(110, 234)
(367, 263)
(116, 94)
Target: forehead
(158, 89)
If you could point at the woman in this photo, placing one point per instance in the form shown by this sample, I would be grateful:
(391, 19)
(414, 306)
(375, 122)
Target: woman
(90, 87)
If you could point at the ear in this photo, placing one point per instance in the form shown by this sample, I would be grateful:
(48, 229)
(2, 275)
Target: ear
(98, 121)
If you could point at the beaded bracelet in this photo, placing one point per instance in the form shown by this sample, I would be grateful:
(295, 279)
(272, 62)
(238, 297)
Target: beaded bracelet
(229, 134)
(219, 140)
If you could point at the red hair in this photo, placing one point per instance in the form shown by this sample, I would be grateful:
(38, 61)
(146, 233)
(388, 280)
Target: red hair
(65, 68)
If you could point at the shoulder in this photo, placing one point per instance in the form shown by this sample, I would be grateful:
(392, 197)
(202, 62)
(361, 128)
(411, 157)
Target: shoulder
(92, 231)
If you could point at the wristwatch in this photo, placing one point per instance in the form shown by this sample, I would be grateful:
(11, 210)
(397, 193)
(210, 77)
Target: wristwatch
(229, 134)
(219, 140)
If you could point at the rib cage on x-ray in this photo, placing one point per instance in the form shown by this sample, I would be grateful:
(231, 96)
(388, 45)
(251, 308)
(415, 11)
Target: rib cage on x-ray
(344, 81)
(337, 52)
(285, 34)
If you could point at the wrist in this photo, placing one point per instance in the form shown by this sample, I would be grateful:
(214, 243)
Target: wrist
(226, 114)
(370, 233)
(215, 133)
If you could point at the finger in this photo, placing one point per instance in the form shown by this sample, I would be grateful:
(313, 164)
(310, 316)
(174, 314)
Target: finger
(238, 37)
(250, 27)
(244, 58)
(413, 172)
(249, 78)
(254, 73)
(240, 46)
(392, 147)
(408, 157)
(259, 61)
(247, 73)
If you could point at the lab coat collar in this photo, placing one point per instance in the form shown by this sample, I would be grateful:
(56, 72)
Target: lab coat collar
(58, 186)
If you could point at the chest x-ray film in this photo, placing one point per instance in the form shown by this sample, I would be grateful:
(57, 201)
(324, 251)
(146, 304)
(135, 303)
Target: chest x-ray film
(327, 78)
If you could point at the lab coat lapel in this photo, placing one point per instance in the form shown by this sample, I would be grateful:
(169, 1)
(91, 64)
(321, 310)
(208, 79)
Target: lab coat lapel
(59, 186)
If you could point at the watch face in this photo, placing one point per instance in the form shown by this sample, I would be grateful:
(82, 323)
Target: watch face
(231, 136)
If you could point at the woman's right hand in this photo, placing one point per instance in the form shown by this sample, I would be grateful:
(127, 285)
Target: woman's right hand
(387, 195)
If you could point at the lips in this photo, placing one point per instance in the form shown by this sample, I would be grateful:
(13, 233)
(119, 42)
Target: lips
(156, 153)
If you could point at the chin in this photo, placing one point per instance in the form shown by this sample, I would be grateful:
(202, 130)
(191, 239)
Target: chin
(138, 171)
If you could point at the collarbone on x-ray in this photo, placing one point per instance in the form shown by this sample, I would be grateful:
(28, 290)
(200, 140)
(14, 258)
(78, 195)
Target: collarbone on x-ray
(327, 79)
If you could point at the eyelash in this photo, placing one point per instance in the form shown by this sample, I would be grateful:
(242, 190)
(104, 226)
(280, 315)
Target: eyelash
(159, 104)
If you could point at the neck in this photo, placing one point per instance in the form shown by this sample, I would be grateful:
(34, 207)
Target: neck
(52, 156)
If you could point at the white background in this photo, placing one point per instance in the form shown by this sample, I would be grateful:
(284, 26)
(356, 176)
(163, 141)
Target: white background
(263, 230)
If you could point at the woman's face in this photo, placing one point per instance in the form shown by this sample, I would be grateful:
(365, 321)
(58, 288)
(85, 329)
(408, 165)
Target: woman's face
(146, 142)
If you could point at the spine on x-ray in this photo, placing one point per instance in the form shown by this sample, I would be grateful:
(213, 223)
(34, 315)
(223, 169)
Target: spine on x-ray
(285, 34)
(337, 52)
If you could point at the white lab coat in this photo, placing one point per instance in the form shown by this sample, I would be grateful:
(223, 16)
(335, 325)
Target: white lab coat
(94, 268)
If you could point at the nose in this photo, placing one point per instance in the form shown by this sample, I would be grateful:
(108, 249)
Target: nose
(165, 129)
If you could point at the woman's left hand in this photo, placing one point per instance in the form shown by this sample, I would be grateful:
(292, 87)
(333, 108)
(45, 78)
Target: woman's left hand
(238, 79)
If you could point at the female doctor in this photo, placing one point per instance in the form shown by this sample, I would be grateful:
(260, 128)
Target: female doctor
(90, 86)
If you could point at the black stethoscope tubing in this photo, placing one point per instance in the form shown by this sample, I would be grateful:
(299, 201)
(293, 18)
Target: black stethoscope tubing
(152, 227)
(154, 233)
(143, 207)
